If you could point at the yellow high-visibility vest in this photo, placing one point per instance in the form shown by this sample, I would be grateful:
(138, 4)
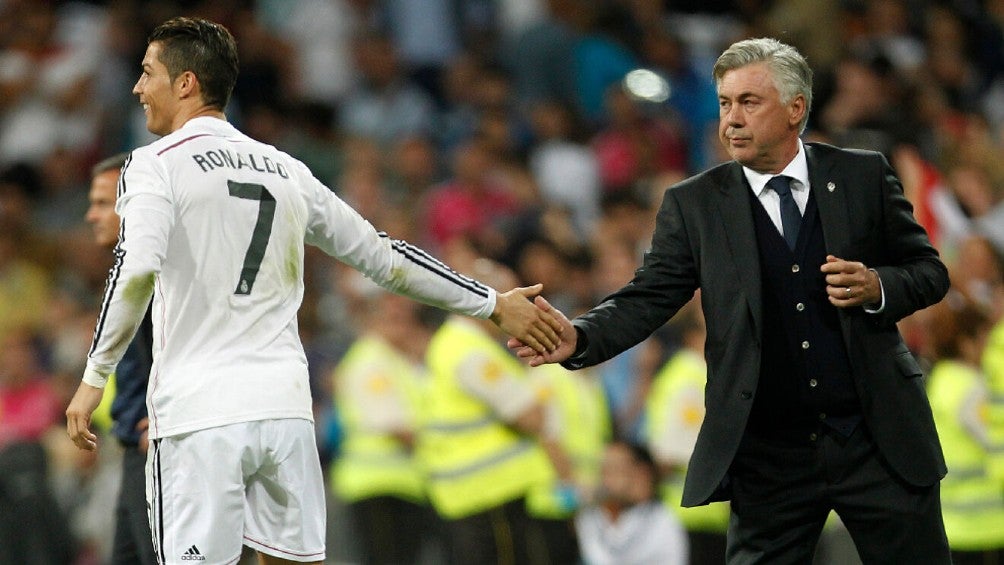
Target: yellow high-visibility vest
(375, 463)
(685, 371)
(585, 429)
(972, 500)
(993, 368)
(473, 460)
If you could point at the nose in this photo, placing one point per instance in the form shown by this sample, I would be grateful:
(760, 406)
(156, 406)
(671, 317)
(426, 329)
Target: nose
(733, 117)
(137, 88)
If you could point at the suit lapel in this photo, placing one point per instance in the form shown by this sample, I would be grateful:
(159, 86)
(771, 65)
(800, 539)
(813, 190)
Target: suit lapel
(830, 193)
(737, 215)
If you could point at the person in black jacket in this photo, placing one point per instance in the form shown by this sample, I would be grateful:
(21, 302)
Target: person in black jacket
(807, 256)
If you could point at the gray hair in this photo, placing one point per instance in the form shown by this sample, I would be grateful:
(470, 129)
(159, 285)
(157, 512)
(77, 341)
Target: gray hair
(791, 73)
(114, 162)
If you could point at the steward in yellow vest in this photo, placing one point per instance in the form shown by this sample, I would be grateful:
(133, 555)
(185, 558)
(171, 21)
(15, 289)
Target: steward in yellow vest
(972, 499)
(479, 446)
(993, 368)
(675, 410)
(378, 395)
(578, 419)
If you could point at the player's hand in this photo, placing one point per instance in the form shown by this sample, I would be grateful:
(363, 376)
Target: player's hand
(517, 316)
(850, 283)
(569, 338)
(78, 416)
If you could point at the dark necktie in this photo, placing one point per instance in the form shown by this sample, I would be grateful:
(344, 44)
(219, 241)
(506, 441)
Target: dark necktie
(791, 218)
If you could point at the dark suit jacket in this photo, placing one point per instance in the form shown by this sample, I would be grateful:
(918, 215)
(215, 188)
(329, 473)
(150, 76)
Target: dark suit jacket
(704, 239)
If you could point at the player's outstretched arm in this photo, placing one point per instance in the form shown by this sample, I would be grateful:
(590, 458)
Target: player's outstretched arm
(516, 315)
(78, 416)
(569, 339)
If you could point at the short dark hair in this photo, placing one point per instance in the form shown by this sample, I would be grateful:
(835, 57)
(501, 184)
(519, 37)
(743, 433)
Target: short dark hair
(113, 163)
(203, 47)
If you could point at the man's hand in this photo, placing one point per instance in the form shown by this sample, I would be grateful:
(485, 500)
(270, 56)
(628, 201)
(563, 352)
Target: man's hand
(143, 427)
(78, 416)
(569, 339)
(850, 283)
(516, 315)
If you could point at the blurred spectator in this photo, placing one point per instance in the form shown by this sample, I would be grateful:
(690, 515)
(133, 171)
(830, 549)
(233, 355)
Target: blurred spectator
(626, 217)
(46, 100)
(384, 105)
(628, 524)
(888, 31)
(505, 130)
(320, 33)
(547, 247)
(24, 285)
(484, 444)
(626, 378)
(948, 61)
(362, 182)
(798, 23)
(414, 168)
(865, 111)
(636, 144)
(462, 99)
(33, 528)
(675, 414)
(21, 187)
(426, 35)
(314, 140)
(971, 496)
(602, 56)
(267, 62)
(691, 93)
(578, 420)
(565, 169)
(378, 389)
(471, 203)
(970, 205)
(542, 59)
(977, 273)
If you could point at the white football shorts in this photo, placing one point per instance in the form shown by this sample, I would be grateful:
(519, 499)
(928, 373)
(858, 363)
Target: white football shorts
(259, 484)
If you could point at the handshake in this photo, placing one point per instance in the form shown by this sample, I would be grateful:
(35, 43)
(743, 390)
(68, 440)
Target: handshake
(540, 332)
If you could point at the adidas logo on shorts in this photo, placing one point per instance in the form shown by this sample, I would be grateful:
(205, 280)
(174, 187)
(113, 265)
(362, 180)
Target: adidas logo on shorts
(193, 555)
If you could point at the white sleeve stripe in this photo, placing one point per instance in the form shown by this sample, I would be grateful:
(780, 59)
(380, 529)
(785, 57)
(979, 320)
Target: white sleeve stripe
(424, 260)
(422, 253)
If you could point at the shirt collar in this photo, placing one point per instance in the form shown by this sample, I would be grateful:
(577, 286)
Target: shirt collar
(208, 123)
(797, 169)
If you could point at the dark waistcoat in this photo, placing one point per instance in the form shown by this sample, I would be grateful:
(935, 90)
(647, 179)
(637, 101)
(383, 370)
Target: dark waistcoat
(805, 375)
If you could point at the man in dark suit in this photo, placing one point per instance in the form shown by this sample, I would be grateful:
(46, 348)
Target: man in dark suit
(806, 256)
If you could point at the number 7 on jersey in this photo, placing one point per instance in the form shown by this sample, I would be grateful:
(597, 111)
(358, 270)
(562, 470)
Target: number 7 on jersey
(262, 230)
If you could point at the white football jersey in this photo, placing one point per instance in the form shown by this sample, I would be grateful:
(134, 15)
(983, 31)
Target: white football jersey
(213, 228)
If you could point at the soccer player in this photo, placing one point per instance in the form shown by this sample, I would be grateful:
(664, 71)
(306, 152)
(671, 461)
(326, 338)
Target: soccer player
(213, 229)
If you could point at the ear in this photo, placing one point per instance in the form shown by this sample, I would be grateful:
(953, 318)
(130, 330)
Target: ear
(796, 110)
(187, 85)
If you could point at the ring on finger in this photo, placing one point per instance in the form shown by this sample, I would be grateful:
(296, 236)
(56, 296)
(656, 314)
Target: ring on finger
(847, 291)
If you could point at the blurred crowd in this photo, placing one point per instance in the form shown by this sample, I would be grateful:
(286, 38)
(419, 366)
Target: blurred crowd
(538, 134)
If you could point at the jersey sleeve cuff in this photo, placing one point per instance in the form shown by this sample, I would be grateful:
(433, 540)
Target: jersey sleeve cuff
(95, 378)
(486, 312)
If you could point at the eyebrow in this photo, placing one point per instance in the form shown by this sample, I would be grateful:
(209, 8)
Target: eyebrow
(741, 96)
